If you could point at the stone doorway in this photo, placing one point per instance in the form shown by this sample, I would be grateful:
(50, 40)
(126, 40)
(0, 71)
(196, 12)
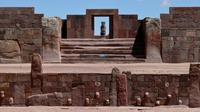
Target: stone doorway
(102, 31)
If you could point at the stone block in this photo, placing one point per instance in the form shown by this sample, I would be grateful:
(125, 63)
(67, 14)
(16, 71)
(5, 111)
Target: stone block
(194, 91)
(51, 39)
(4, 85)
(19, 94)
(153, 40)
(122, 91)
(180, 33)
(16, 10)
(190, 33)
(198, 33)
(9, 51)
(184, 10)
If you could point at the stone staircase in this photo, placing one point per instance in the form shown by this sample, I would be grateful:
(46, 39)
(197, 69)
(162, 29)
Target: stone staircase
(99, 51)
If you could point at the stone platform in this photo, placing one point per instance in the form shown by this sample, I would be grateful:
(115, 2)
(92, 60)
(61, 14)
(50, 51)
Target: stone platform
(137, 68)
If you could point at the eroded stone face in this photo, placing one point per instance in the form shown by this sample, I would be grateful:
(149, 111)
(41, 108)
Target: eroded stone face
(153, 40)
(194, 93)
(51, 39)
(9, 51)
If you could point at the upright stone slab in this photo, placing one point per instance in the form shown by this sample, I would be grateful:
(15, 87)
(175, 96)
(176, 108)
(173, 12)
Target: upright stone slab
(153, 40)
(113, 87)
(122, 91)
(51, 39)
(36, 70)
(194, 92)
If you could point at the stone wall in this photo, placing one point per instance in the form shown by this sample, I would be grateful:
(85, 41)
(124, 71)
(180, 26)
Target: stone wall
(128, 26)
(101, 89)
(15, 85)
(121, 26)
(78, 87)
(75, 26)
(159, 87)
(180, 35)
(21, 32)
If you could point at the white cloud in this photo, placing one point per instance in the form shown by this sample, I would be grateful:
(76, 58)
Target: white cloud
(166, 3)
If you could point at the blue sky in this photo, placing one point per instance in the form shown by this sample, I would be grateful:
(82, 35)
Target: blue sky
(61, 8)
(144, 8)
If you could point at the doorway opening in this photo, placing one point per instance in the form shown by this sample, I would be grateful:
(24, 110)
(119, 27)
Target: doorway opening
(102, 26)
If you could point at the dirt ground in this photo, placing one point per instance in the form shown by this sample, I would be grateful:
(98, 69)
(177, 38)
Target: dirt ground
(100, 109)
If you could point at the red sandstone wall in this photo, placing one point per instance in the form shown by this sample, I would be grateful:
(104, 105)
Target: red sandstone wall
(128, 26)
(15, 85)
(122, 26)
(180, 35)
(159, 86)
(75, 26)
(25, 28)
(81, 86)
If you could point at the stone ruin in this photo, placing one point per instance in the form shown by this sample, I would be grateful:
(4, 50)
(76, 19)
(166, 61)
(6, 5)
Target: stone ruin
(60, 62)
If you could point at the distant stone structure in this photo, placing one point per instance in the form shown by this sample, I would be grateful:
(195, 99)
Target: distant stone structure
(103, 28)
(62, 63)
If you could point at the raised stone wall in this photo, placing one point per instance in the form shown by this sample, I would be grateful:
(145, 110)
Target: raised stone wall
(21, 29)
(101, 89)
(78, 87)
(180, 35)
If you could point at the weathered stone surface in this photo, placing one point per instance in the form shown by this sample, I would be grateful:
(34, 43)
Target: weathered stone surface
(180, 31)
(122, 91)
(153, 40)
(19, 94)
(51, 39)
(36, 70)
(9, 51)
(50, 99)
(113, 86)
(194, 91)
(23, 26)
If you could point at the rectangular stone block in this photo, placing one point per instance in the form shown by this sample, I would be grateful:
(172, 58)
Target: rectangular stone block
(75, 26)
(184, 10)
(16, 10)
(122, 91)
(23, 21)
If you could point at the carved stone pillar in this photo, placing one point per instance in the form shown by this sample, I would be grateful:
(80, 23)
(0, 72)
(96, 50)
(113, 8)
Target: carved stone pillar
(122, 91)
(113, 90)
(36, 72)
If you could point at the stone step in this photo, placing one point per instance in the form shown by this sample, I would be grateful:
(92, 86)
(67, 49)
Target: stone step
(68, 43)
(75, 56)
(118, 50)
(103, 60)
(98, 40)
(95, 51)
(98, 47)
